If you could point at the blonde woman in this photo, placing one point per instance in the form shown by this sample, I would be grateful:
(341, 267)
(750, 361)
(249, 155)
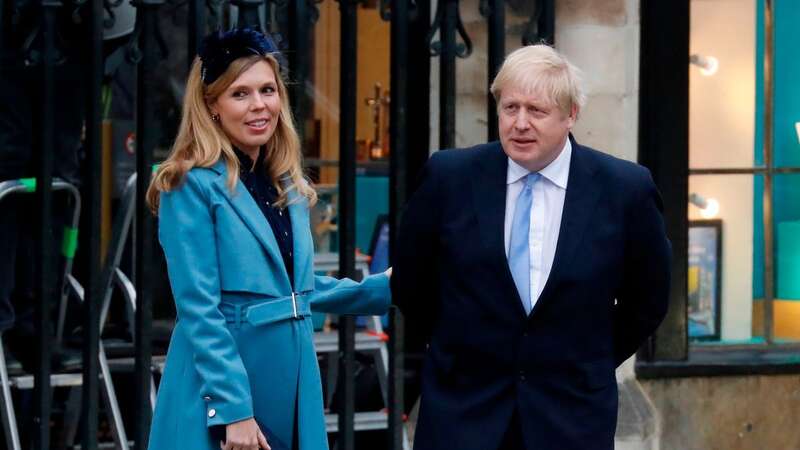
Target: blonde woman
(241, 372)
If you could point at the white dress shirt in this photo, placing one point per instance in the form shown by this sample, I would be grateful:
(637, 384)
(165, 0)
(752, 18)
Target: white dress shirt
(548, 205)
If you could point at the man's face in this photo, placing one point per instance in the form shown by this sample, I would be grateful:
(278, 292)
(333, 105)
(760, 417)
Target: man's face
(532, 129)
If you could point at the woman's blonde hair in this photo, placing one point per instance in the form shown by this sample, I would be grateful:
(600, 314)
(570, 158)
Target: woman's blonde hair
(541, 70)
(201, 141)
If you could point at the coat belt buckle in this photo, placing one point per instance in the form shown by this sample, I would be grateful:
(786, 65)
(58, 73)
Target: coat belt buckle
(294, 306)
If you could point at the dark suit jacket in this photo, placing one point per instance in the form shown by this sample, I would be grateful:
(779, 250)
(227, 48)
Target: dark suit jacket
(606, 293)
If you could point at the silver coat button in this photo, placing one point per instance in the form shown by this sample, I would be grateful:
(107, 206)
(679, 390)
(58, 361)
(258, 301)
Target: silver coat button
(212, 412)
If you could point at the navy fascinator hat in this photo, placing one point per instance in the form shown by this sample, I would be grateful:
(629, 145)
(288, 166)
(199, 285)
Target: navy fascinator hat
(220, 48)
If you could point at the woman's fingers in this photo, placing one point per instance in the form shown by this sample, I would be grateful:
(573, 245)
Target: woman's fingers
(245, 444)
(262, 441)
(242, 435)
(250, 444)
(241, 447)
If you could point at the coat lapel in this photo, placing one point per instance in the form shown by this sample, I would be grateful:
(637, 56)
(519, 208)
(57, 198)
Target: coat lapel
(579, 204)
(302, 246)
(246, 208)
(489, 195)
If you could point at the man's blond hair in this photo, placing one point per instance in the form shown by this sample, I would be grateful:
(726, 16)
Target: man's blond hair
(539, 69)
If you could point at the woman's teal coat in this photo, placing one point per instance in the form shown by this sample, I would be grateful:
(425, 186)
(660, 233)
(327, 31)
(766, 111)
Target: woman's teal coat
(241, 347)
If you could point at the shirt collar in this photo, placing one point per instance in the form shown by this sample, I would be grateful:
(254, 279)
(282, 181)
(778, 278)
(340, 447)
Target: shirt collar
(557, 171)
(246, 164)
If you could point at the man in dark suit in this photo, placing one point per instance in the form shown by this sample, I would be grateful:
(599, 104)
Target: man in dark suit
(532, 267)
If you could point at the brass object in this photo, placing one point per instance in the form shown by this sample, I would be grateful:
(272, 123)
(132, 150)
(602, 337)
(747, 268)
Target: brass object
(379, 147)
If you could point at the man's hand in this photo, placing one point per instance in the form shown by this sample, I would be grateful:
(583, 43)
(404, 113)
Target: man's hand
(244, 435)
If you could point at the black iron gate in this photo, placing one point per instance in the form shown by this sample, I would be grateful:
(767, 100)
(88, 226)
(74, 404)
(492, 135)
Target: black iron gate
(412, 45)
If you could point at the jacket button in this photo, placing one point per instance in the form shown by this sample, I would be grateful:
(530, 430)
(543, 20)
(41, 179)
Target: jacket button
(207, 398)
(522, 375)
(212, 412)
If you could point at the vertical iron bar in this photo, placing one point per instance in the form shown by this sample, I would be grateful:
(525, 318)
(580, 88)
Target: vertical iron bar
(398, 174)
(93, 294)
(45, 260)
(248, 13)
(418, 146)
(396, 379)
(547, 22)
(447, 75)
(217, 10)
(398, 126)
(196, 26)
(299, 65)
(2, 10)
(347, 206)
(268, 25)
(542, 24)
(147, 12)
(419, 82)
(346, 412)
(769, 243)
(497, 50)
(664, 97)
(347, 138)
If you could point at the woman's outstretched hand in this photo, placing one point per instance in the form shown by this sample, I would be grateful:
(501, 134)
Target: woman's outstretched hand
(244, 435)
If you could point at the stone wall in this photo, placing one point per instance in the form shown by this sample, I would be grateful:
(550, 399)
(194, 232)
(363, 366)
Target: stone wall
(728, 413)
(601, 37)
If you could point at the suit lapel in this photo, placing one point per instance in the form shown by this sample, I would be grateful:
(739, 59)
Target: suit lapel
(579, 204)
(302, 247)
(489, 195)
(248, 211)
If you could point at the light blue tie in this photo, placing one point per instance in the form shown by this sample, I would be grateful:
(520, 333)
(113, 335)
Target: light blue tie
(519, 257)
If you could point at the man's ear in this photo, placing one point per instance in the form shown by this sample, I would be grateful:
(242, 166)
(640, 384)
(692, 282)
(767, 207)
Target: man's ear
(573, 115)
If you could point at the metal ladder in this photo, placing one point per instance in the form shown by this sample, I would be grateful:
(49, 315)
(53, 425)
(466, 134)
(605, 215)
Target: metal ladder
(69, 286)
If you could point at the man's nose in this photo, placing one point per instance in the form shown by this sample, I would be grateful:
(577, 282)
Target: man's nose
(522, 122)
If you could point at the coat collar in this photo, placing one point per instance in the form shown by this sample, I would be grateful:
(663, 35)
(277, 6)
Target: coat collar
(303, 246)
(489, 198)
(583, 193)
